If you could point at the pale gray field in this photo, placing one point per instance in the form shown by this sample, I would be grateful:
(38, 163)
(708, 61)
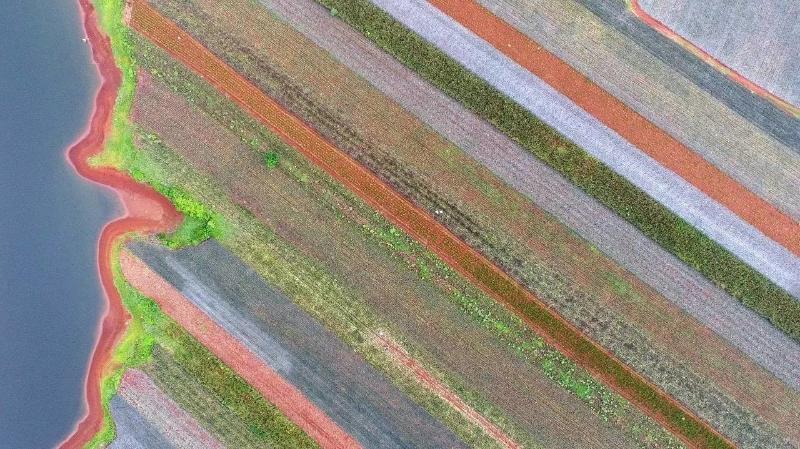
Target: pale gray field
(666, 97)
(758, 39)
(758, 110)
(548, 190)
(325, 370)
(737, 236)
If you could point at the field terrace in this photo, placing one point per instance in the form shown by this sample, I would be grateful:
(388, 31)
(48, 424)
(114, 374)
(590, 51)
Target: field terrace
(346, 93)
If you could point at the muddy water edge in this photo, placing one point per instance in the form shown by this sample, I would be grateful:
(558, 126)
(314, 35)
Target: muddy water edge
(50, 296)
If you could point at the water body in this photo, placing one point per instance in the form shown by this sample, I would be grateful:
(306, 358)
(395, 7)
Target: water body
(50, 298)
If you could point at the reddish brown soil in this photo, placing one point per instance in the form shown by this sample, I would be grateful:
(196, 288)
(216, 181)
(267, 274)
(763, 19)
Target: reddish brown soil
(145, 211)
(717, 64)
(633, 127)
(424, 228)
(234, 354)
(403, 358)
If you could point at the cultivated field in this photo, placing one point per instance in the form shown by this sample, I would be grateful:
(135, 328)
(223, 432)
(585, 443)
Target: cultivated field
(297, 347)
(751, 229)
(764, 162)
(545, 188)
(382, 271)
(144, 414)
(611, 331)
(761, 112)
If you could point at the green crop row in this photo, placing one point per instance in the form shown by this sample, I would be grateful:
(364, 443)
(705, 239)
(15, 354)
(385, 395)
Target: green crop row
(654, 220)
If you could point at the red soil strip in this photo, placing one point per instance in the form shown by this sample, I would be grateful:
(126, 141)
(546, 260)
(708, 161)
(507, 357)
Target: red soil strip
(403, 358)
(145, 211)
(270, 384)
(711, 60)
(425, 229)
(627, 123)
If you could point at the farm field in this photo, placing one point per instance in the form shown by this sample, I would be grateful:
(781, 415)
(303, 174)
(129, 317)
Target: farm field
(753, 142)
(380, 248)
(393, 288)
(196, 149)
(756, 109)
(296, 346)
(178, 394)
(747, 37)
(544, 187)
(146, 417)
(666, 229)
(753, 230)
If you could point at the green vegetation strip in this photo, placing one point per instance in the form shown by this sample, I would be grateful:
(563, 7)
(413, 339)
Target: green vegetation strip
(654, 220)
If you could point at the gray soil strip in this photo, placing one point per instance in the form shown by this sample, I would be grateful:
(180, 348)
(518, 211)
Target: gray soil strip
(756, 109)
(620, 61)
(134, 431)
(739, 237)
(547, 189)
(163, 414)
(303, 352)
(758, 39)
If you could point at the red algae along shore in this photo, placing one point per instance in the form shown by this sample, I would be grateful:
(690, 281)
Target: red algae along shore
(145, 211)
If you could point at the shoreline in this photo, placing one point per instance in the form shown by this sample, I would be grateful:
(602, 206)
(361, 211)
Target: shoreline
(143, 210)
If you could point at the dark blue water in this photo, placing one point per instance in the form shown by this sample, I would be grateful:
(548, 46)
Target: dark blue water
(50, 300)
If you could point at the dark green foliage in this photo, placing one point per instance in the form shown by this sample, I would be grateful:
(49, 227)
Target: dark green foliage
(654, 220)
(271, 159)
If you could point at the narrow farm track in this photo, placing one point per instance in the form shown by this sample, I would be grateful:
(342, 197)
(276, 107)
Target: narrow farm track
(145, 211)
(627, 123)
(711, 60)
(234, 354)
(424, 228)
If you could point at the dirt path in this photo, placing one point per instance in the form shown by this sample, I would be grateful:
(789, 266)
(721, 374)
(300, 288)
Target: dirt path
(424, 228)
(633, 127)
(145, 211)
(711, 60)
(233, 353)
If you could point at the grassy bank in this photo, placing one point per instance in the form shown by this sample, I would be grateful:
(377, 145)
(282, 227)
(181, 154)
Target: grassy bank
(149, 328)
(653, 219)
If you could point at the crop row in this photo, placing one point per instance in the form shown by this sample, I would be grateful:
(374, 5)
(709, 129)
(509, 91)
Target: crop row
(230, 118)
(655, 221)
(615, 334)
(470, 263)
